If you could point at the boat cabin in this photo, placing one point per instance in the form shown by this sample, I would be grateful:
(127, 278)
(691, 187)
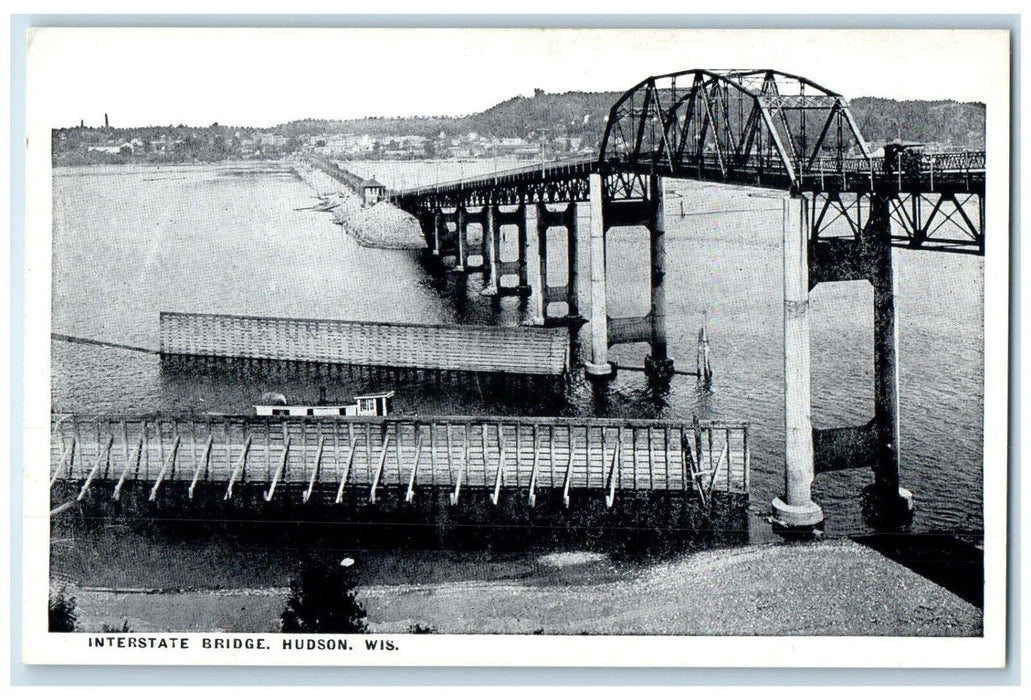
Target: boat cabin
(365, 405)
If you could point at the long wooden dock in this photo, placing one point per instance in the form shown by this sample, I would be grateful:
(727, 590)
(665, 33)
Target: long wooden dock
(464, 348)
(336, 459)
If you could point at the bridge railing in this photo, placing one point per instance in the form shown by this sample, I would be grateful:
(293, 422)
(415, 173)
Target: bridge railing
(335, 171)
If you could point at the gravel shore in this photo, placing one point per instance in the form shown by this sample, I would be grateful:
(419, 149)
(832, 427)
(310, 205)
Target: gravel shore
(826, 588)
(830, 588)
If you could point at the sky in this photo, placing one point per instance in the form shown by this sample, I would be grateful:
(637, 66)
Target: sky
(263, 77)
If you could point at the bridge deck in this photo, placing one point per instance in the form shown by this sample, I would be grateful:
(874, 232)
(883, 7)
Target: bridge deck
(465, 348)
(940, 173)
(372, 455)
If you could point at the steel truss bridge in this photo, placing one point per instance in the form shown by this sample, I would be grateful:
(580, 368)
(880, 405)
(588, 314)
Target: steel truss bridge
(844, 211)
(758, 128)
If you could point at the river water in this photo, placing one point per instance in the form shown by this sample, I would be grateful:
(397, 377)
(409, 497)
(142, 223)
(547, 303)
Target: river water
(130, 242)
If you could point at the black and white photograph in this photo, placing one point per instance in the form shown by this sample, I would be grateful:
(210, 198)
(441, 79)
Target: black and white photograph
(516, 346)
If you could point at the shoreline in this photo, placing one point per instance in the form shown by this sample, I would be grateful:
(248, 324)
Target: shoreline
(381, 225)
(822, 588)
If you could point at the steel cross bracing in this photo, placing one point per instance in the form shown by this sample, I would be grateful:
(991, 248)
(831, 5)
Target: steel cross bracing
(760, 128)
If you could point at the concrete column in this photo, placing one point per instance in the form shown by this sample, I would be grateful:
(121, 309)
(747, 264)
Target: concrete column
(436, 232)
(490, 253)
(582, 288)
(521, 246)
(539, 260)
(460, 233)
(573, 278)
(599, 365)
(658, 365)
(532, 266)
(886, 485)
(796, 509)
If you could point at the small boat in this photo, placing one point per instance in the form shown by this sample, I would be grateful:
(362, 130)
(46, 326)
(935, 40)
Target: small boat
(378, 404)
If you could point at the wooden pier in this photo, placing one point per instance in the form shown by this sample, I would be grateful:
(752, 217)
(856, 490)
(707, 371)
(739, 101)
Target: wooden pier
(464, 348)
(365, 459)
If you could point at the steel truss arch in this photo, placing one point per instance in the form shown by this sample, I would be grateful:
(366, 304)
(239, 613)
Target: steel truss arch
(754, 127)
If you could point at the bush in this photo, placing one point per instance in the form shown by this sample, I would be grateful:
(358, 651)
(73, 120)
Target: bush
(322, 599)
(122, 628)
(62, 615)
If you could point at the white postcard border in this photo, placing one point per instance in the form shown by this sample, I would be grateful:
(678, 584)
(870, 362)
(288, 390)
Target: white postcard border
(41, 647)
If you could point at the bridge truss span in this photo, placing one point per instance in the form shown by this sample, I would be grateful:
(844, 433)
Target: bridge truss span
(761, 128)
(748, 127)
(846, 209)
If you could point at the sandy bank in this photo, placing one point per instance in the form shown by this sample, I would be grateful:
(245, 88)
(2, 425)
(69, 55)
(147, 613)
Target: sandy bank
(832, 588)
(829, 588)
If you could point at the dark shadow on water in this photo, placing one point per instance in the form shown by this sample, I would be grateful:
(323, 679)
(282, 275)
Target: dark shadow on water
(639, 525)
(232, 385)
(953, 562)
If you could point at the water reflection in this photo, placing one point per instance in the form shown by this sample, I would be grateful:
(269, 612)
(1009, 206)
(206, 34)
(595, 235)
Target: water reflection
(638, 525)
(232, 386)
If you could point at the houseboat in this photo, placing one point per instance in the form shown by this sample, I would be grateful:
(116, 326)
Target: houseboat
(365, 405)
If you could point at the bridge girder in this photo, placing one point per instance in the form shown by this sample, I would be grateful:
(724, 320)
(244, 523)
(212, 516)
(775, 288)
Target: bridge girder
(942, 221)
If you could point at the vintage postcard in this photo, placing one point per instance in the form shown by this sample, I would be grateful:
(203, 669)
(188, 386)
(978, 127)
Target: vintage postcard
(516, 347)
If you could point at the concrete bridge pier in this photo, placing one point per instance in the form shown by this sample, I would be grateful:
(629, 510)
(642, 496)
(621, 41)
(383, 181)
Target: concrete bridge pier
(491, 231)
(541, 279)
(522, 249)
(534, 261)
(461, 234)
(658, 365)
(477, 250)
(599, 365)
(498, 269)
(564, 218)
(887, 502)
(796, 510)
(573, 267)
(438, 223)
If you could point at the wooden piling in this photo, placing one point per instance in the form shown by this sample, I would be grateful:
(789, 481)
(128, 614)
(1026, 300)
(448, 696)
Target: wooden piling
(279, 470)
(165, 466)
(96, 467)
(238, 468)
(202, 464)
(347, 470)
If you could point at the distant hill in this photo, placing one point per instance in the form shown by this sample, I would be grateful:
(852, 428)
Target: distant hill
(559, 114)
(950, 123)
(569, 117)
